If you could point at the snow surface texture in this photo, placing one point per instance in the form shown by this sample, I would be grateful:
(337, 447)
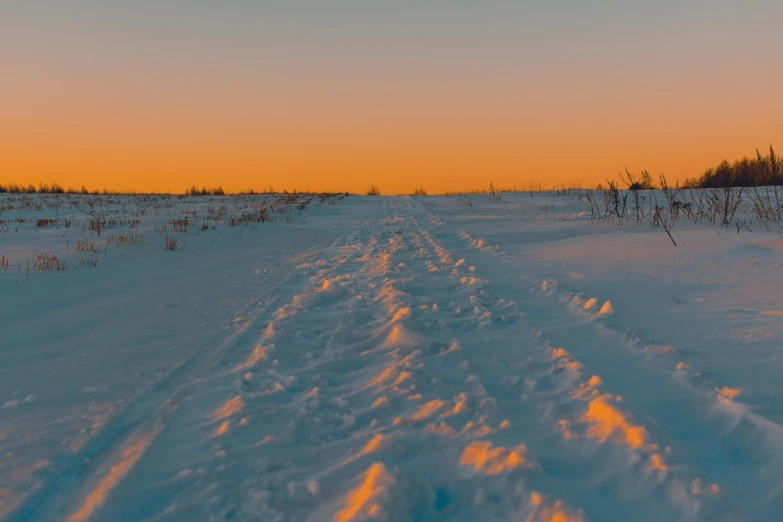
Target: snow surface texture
(398, 359)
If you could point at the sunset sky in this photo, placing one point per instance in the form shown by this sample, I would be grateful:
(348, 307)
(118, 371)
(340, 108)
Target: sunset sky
(338, 95)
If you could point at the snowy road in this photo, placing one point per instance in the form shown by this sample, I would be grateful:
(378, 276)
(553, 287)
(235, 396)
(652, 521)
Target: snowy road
(411, 369)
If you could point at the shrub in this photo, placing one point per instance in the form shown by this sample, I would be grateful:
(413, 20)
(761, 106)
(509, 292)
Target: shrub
(204, 191)
(746, 172)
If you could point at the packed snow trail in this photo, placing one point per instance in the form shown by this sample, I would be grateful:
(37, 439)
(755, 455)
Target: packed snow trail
(411, 371)
(735, 454)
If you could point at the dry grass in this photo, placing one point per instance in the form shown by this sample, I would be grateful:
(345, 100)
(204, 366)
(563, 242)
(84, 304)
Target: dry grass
(724, 208)
(260, 215)
(47, 263)
(129, 239)
(86, 246)
(170, 243)
(87, 261)
(180, 225)
(96, 226)
(46, 222)
(119, 219)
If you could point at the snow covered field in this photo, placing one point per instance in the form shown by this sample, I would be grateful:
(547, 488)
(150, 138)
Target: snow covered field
(394, 358)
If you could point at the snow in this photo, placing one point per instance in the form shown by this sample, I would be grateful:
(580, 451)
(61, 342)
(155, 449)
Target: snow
(390, 358)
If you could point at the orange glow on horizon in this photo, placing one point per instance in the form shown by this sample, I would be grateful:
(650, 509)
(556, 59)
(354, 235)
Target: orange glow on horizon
(127, 157)
(402, 99)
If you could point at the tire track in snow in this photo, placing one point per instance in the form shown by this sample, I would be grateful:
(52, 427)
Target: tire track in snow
(465, 471)
(556, 384)
(83, 481)
(243, 385)
(477, 418)
(706, 430)
(397, 380)
(346, 436)
(730, 442)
